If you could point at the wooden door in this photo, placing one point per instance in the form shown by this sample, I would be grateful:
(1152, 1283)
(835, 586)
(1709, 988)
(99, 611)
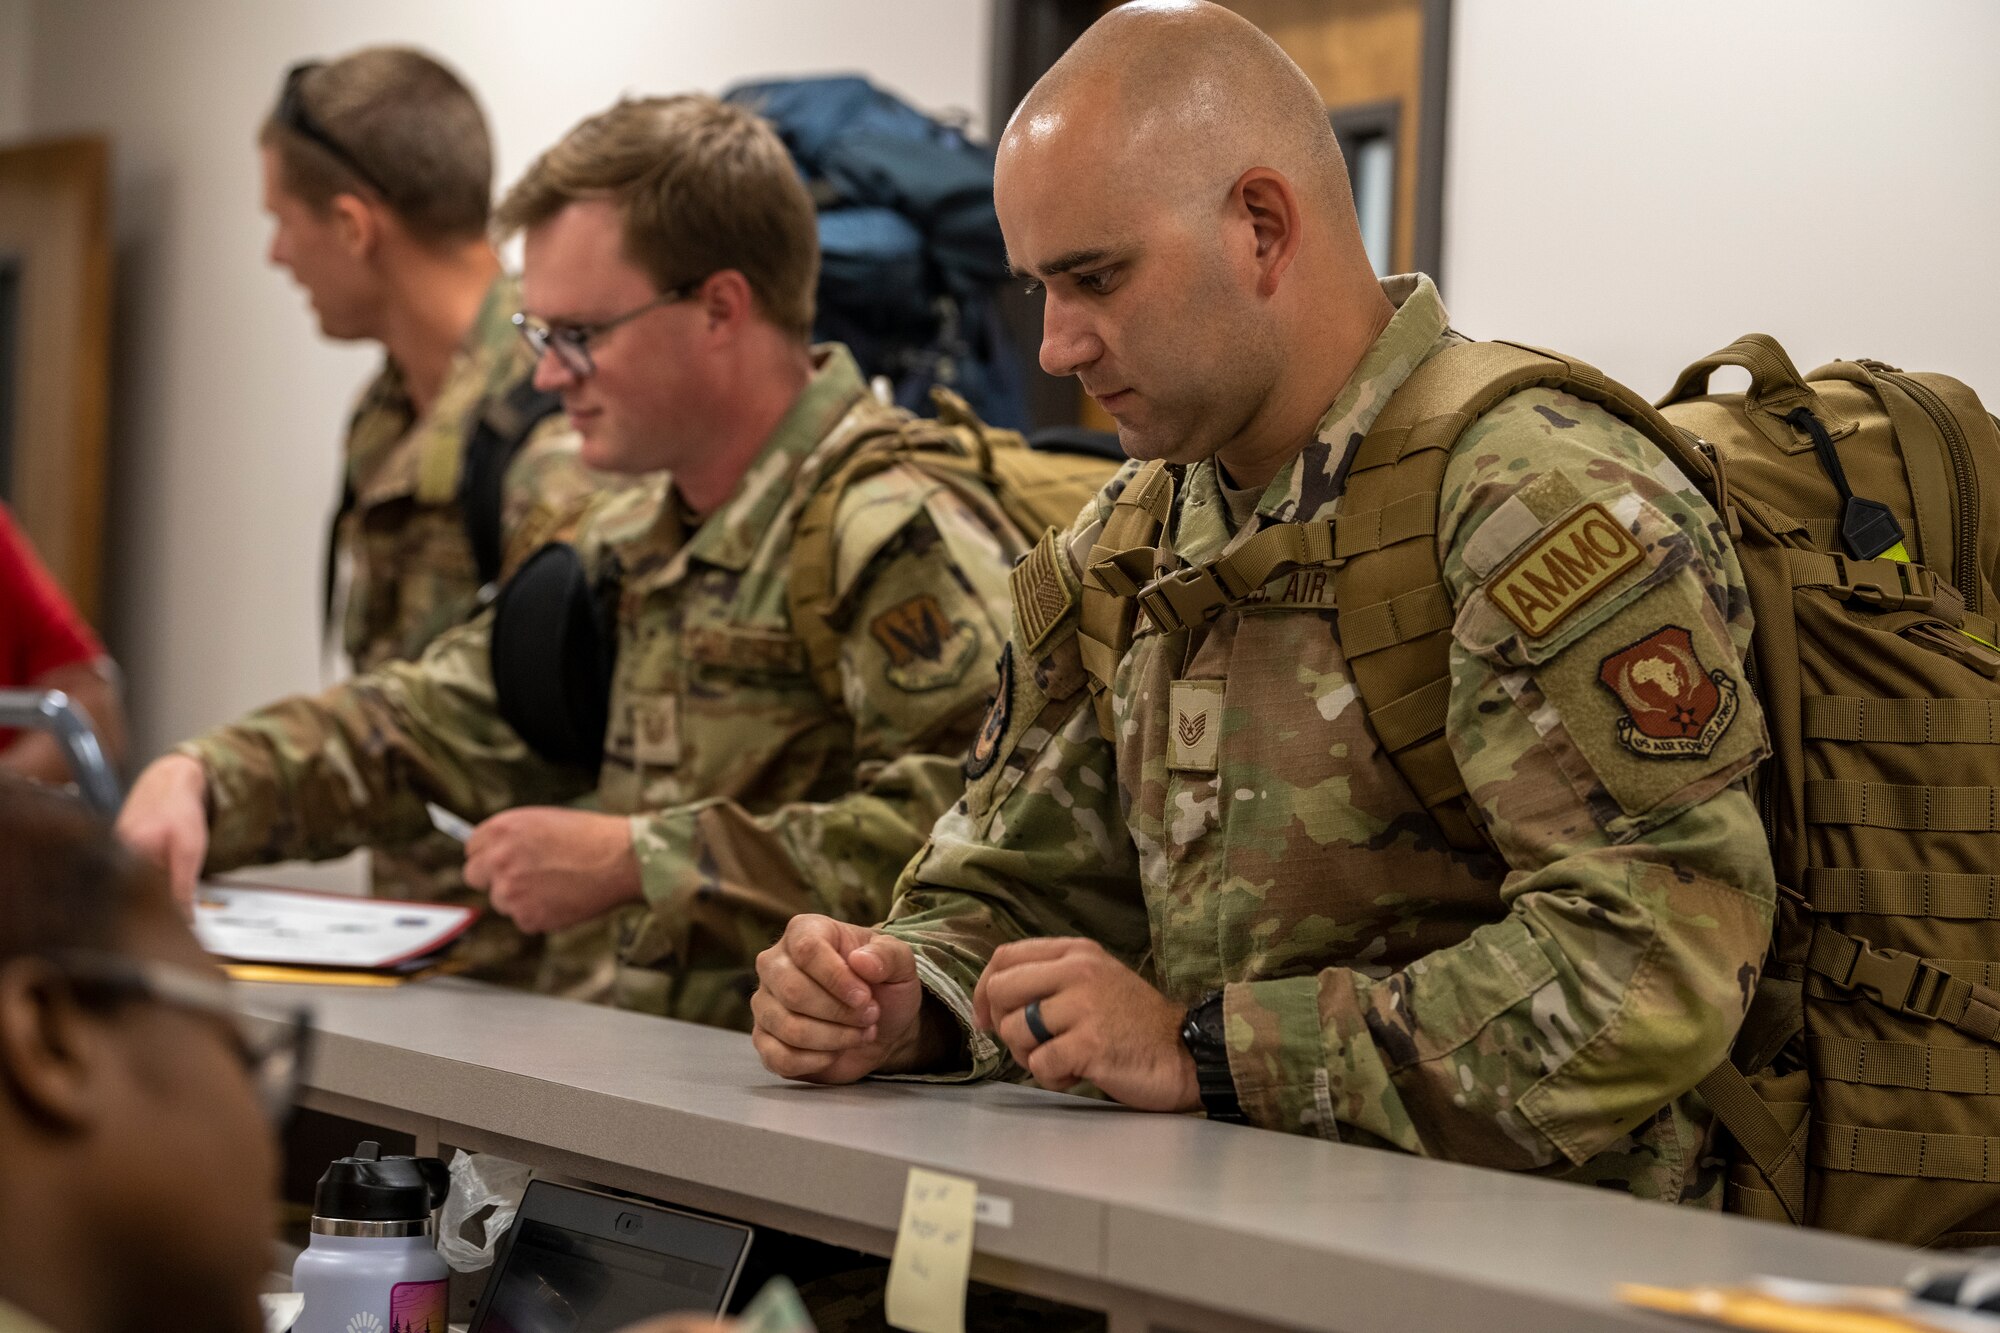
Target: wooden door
(55, 329)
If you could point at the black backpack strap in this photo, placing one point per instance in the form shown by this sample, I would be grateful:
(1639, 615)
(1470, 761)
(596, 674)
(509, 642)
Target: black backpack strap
(554, 645)
(330, 566)
(502, 428)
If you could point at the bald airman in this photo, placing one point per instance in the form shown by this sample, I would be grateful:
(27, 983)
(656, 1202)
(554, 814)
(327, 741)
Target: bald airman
(1193, 866)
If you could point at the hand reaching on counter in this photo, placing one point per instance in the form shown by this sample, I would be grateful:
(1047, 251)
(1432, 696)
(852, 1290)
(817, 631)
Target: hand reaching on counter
(165, 820)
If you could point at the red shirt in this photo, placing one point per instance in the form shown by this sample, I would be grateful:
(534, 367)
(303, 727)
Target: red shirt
(39, 629)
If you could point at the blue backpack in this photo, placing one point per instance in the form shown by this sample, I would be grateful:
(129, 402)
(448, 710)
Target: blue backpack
(910, 248)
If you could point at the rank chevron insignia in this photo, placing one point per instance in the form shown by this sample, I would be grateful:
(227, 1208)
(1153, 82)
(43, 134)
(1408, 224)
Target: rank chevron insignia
(1192, 729)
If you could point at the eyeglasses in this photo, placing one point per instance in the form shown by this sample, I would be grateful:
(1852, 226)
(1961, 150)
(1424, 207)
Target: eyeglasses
(275, 1058)
(292, 114)
(571, 342)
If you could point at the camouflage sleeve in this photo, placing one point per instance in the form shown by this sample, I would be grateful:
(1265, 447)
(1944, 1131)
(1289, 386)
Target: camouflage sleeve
(547, 492)
(920, 619)
(1599, 716)
(1038, 844)
(317, 777)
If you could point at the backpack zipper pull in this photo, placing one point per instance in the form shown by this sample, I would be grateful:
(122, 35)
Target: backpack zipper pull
(1867, 528)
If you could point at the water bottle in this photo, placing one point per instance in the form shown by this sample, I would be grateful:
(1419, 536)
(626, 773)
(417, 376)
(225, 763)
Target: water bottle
(372, 1265)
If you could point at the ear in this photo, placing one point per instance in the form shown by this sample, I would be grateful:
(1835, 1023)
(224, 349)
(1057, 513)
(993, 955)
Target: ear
(355, 224)
(52, 1053)
(1271, 206)
(727, 303)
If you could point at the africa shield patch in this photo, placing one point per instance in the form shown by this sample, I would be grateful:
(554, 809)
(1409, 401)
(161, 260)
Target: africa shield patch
(1674, 709)
(1564, 569)
(926, 648)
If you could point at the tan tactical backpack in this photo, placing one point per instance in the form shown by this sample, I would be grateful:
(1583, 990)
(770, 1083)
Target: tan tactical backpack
(1856, 498)
(1869, 506)
(988, 467)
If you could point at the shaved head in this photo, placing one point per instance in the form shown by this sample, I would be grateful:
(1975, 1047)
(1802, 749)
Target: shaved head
(1194, 95)
(1174, 183)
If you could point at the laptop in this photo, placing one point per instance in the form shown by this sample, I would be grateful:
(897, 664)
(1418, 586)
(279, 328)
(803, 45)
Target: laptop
(576, 1261)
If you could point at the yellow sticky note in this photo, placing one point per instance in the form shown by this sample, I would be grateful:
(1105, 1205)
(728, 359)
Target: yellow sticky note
(933, 1258)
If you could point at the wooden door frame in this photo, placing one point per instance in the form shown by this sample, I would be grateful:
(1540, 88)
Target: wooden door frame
(65, 518)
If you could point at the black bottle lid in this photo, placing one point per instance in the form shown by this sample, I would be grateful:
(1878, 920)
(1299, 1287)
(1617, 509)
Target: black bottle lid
(369, 1187)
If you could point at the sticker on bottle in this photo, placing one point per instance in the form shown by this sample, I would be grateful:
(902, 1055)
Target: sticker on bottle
(418, 1307)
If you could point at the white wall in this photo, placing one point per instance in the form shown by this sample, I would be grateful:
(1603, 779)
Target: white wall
(227, 405)
(1637, 184)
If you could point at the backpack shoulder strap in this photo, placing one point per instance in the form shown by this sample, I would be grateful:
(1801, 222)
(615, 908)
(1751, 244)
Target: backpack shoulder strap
(990, 469)
(1395, 612)
(502, 427)
(1121, 561)
(812, 591)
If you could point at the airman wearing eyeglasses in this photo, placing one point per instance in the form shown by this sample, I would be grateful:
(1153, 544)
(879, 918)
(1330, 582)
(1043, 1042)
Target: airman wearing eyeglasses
(139, 1184)
(670, 264)
(377, 176)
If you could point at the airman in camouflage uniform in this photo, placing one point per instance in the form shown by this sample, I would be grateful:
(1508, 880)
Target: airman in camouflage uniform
(378, 179)
(1237, 901)
(751, 795)
(1514, 1010)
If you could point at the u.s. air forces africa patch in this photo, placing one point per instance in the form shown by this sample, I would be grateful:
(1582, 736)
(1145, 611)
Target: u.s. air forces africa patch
(1673, 708)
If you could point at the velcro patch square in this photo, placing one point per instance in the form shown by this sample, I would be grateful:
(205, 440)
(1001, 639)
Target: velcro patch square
(1194, 725)
(1042, 595)
(1570, 564)
(656, 731)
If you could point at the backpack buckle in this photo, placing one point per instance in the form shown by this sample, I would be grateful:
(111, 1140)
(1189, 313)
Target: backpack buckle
(1888, 976)
(1903, 982)
(1183, 599)
(1889, 584)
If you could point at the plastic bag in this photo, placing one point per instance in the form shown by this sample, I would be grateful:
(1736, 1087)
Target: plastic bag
(485, 1192)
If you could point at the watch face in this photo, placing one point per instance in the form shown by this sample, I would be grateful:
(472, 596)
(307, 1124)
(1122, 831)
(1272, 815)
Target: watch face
(1202, 1032)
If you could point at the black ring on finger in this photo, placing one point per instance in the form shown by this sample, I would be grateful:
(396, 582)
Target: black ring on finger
(1032, 1016)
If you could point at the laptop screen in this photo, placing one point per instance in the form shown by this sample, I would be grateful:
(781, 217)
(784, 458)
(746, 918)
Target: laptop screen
(588, 1263)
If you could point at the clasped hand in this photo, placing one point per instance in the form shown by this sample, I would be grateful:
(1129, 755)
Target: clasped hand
(837, 1002)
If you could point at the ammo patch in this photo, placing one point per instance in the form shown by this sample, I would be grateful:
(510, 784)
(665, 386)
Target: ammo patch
(1673, 708)
(1561, 572)
(1194, 725)
(656, 732)
(986, 745)
(926, 648)
(1042, 596)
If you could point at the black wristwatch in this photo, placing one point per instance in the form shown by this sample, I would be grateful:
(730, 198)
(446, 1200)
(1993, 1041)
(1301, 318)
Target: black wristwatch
(1201, 1033)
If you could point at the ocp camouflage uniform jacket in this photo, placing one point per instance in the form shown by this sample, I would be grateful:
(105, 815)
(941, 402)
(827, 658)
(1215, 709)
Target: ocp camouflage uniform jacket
(1548, 1008)
(411, 573)
(752, 796)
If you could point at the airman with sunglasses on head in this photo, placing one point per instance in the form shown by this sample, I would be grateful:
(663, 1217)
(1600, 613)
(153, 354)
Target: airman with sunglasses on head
(140, 1160)
(378, 180)
(670, 263)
